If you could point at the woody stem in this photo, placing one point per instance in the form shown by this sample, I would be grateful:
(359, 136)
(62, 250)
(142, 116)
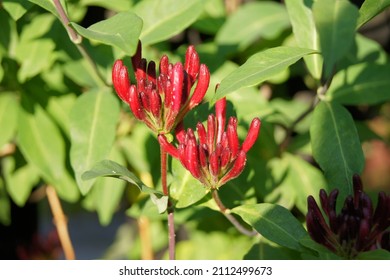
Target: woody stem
(171, 221)
(230, 217)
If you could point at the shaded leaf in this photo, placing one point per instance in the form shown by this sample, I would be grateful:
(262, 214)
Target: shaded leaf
(274, 222)
(114, 5)
(336, 22)
(379, 254)
(43, 146)
(5, 206)
(93, 122)
(259, 68)
(305, 32)
(370, 9)
(336, 146)
(365, 83)
(164, 19)
(252, 21)
(121, 30)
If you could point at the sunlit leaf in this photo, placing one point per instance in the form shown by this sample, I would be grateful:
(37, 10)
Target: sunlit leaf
(164, 19)
(8, 116)
(370, 9)
(121, 30)
(336, 22)
(336, 146)
(274, 222)
(93, 122)
(259, 68)
(365, 84)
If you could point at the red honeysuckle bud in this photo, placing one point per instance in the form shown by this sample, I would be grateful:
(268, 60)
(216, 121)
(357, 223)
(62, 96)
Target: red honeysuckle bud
(201, 133)
(238, 167)
(168, 147)
(233, 137)
(155, 104)
(136, 58)
(192, 158)
(252, 135)
(120, 80)
(152, 72)
(164, 65)
(135, 104)
(140, 73)
(144, 101)
(201, 87)
(220, 112)
(191, 64)
(210, 132)
(214, 164)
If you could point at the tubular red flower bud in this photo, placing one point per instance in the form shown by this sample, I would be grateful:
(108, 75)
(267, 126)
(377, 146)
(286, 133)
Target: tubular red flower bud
(238, 167)
(210, 133)
(120, 80)
(232, 136)
(144, 101)
(253, 133)
(140, 73)
(201, 134)
(179, 132)
(135, 104)
(168, 147)
(136, 58)
(201, 87)
(164, 63)
(214, 164)
(191, 64)
(225, 157)
(155, 104)
(220, 112)
(192, 158)
(152, 72)
(202, 156)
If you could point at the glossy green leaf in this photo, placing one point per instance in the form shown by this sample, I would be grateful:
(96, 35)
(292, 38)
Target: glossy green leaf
(336, 146)
(185, 190)
(259, 68)
(107, 193)
(108, 168)
(274, 222)
(370, 9)
(43, 146)
(305, 32)
(9, 107)
(379, 254)
(336, 23)
(20, 179)
(121, 30)
(165, 19)
(365, 84)
(252, 21)
(114, 5)
(5, 206)
(16, 8)
(93, 122)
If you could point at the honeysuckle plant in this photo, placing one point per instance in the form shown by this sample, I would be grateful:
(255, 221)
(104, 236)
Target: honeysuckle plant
(82, 101)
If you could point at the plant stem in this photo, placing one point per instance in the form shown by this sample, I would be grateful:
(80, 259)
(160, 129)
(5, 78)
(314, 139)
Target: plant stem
(77, 40)
(60, 222)
(171, 220)
(230, 217)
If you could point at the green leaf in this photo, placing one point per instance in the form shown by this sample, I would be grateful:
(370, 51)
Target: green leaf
(379, 254)
(93, 122)
(121, 30)
(336, 22)
(8, 116)
(305, 33)
(5, 206)
(43, 146)
(274, 222)
(114, 5)
(47, 5)
(370, 9)
(259, 68)
(20, 179)
(108, 168)
(107, 193)
(165, 19)
(185, 190)
(361, 84)
(252, 21)
(336, 146)
(16, 8)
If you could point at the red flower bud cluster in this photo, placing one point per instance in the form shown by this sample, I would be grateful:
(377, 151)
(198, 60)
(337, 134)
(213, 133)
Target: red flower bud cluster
(215, 156)
(357, 228)
(162, 101)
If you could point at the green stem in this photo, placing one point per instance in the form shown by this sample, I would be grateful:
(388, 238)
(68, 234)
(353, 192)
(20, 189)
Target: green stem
(230, 217)
(171, 220)
(77, 40)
